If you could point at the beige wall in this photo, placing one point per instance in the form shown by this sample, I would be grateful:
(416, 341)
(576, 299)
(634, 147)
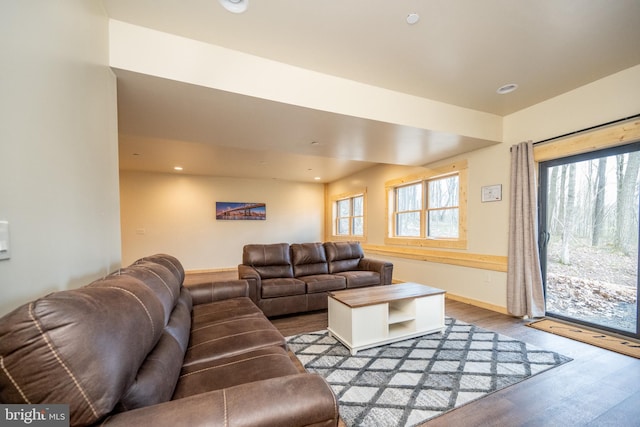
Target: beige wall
(58, 148)
(175, 214)
(486, 234)
(611, 98)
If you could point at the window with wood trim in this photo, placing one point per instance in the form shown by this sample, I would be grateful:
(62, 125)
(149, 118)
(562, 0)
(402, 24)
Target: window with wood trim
(429, 210)
(348, 216)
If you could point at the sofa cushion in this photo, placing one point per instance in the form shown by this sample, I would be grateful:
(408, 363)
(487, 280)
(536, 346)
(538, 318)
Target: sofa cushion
(231, 337)
(219, 311)
(343, 256)
(179, 326)
(285, 305)
(269, 261)
(157, 277)
(308, 259)
(157, 377)
(324, 283)
(79, 346)
(282, 287)
(261, 364)
(168, 261)
(358, 279)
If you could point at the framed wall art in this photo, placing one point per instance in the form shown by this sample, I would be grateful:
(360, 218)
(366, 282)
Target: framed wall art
(235, 211)
(492, 193)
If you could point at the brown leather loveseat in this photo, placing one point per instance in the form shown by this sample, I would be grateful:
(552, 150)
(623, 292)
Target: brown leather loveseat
(291, 278)
(139, 348)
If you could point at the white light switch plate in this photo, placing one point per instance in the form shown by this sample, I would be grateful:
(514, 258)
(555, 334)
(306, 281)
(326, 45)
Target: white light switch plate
(4, 240)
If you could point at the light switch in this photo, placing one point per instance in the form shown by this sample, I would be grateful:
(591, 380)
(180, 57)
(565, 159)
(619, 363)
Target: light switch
(4, 240)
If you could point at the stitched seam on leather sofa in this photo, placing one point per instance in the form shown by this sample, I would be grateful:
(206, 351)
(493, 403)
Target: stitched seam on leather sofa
(218, 323)
(119, 273)
(228, 336)
(234, 362)
(61, 362)
(15, 384)
(230, 310)
(226, 416)
(336, 411)
(166, 285)
(153, 329)
(169, 262)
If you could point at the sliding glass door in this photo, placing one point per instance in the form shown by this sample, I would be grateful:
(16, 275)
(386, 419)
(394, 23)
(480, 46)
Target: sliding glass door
(589, 209)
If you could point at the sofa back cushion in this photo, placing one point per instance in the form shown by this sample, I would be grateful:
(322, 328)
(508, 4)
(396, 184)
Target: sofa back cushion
(156, 379)
(161, 281)
(158, 375)
(270, 261)
(82, 347)
(308, 259)
(170, 262)
(343, 256)
(179, 326)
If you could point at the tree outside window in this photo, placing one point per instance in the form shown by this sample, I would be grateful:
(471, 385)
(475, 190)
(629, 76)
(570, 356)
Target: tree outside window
(429, 210)
(442, 208)
(409, 210)
(349, 216)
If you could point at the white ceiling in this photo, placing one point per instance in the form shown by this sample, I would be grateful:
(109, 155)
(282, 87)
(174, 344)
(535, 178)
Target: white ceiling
(459, 52)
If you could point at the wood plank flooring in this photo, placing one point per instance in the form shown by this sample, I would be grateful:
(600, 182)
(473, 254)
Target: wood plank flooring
(598, 388)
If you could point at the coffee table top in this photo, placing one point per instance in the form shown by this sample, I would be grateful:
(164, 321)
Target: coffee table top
(361, 297)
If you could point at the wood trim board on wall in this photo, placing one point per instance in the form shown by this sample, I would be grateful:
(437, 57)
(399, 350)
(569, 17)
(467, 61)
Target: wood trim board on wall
(463, 259)
(609, 136)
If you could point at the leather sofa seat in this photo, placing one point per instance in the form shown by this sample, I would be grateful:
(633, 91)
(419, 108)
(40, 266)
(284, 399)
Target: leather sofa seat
(282, 287)
(234, 308)
(229, 337)
(323, 283)
(255, 365)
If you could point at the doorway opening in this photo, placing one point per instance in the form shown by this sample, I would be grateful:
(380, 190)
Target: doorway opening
(589, 207)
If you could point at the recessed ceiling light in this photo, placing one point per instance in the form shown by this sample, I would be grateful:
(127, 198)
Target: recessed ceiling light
(235, 6)
(178, 168)
(502, 90)
(412, 18)
(317, 178)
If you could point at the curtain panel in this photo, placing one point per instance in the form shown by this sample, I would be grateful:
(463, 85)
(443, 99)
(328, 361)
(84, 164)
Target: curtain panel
(525, 294)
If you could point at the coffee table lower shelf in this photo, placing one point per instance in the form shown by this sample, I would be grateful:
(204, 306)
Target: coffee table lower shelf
(354, 349)
(370, 324)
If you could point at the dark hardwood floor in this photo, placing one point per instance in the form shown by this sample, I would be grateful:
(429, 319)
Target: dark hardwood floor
(597, 388)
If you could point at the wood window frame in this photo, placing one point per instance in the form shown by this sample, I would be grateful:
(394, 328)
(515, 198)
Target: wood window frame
(334, 217)
(461, 169)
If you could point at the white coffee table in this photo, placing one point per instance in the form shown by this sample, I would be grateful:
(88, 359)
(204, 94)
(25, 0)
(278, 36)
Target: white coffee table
(368, 317)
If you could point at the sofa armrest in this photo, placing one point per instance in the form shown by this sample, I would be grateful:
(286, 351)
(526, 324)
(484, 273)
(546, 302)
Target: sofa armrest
(293, 400)
(251, 275)
(384, 268)
(206, 292)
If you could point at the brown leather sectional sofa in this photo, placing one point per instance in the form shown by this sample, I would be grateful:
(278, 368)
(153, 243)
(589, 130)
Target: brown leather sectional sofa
(138, 348)
(291, 278)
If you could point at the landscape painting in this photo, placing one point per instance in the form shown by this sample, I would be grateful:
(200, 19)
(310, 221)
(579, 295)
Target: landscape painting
(241, 211)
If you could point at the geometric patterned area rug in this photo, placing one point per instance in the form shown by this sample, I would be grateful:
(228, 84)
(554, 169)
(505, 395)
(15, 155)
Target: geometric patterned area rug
(409, 382)
(624, 346)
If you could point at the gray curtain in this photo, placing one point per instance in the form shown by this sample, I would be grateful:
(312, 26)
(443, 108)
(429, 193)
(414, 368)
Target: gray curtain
(525, 295)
